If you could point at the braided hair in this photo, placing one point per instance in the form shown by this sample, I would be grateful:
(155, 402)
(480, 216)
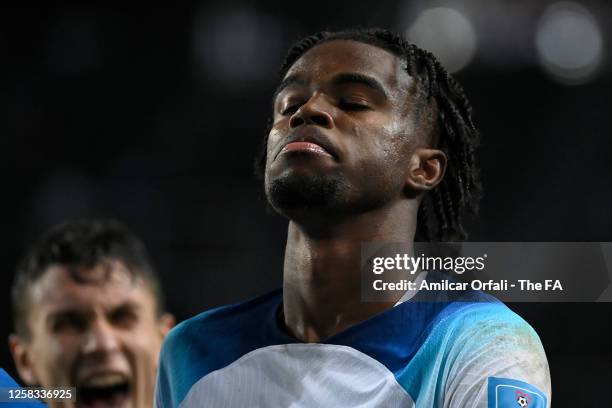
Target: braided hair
(440, 215)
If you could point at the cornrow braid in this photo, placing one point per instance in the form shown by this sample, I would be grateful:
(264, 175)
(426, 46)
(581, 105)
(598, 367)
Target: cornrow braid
(459, 191)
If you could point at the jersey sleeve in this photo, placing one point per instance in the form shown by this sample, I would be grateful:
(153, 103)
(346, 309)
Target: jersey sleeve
(162, 387)
(498, 362)
(171, 384)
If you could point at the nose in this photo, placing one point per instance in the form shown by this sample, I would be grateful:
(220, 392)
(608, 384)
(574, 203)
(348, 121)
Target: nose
(314, 112)
(100, 338)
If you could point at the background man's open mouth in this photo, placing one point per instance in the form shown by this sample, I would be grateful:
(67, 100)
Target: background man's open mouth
(112, 392)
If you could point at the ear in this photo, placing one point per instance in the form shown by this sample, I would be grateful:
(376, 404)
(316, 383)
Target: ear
(166, 322)
(427, 167)
(23, 360)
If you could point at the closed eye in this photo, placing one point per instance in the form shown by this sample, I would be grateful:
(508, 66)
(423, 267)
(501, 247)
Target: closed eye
(354, 106)
(124, 316)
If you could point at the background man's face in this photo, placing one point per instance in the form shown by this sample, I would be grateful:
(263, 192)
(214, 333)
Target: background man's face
(102, 335)
(354, 100)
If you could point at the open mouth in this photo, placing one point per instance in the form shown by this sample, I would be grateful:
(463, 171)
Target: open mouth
(104, 391)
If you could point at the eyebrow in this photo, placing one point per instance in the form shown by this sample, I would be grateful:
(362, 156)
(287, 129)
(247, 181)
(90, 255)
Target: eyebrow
(353, 78)
(290, 80)
(72, 312)
(340, 79)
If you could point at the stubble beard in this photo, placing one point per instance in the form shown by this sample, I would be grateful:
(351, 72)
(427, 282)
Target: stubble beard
(297, 192)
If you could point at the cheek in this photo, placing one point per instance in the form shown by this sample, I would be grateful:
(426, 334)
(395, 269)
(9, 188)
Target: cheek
(380, 157)
(54, 359)
(377, 146)
(144, 342)
(273, 138)
(400, 142)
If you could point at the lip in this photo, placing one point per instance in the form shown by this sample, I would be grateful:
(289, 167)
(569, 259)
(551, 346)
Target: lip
(313, 141)
(305, 147)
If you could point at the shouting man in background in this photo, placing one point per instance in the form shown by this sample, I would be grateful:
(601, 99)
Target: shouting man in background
(89, 314)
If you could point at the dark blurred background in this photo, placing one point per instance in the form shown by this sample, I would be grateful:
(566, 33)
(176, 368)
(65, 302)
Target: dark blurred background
(154, 115)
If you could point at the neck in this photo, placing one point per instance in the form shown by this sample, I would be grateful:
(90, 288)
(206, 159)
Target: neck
(322, 270)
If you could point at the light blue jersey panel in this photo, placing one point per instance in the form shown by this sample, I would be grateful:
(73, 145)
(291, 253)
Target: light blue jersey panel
(467, 348)
(417, 354)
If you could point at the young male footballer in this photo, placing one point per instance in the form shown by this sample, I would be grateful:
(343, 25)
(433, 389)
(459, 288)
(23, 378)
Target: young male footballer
(371, 141)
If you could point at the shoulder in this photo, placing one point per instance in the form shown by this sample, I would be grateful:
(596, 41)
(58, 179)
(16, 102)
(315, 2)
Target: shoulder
(472, 346)
(224, 321)
(490, 345)
(210, 341)
(464, 327)
(478, 320)
(484, 321)
(491, 328)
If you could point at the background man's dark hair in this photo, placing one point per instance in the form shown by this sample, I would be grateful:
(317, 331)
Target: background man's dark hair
(440, 215)
(81, 245)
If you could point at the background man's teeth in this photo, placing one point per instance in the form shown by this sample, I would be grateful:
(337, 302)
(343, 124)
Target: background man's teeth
(105, 380)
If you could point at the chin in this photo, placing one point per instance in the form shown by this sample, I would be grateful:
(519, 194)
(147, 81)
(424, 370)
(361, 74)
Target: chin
(301, 191)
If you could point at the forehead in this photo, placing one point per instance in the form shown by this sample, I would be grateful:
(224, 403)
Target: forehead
(347, 56)
(103, 286)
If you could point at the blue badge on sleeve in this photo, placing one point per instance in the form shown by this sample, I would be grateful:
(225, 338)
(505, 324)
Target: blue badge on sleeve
(508, 393)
